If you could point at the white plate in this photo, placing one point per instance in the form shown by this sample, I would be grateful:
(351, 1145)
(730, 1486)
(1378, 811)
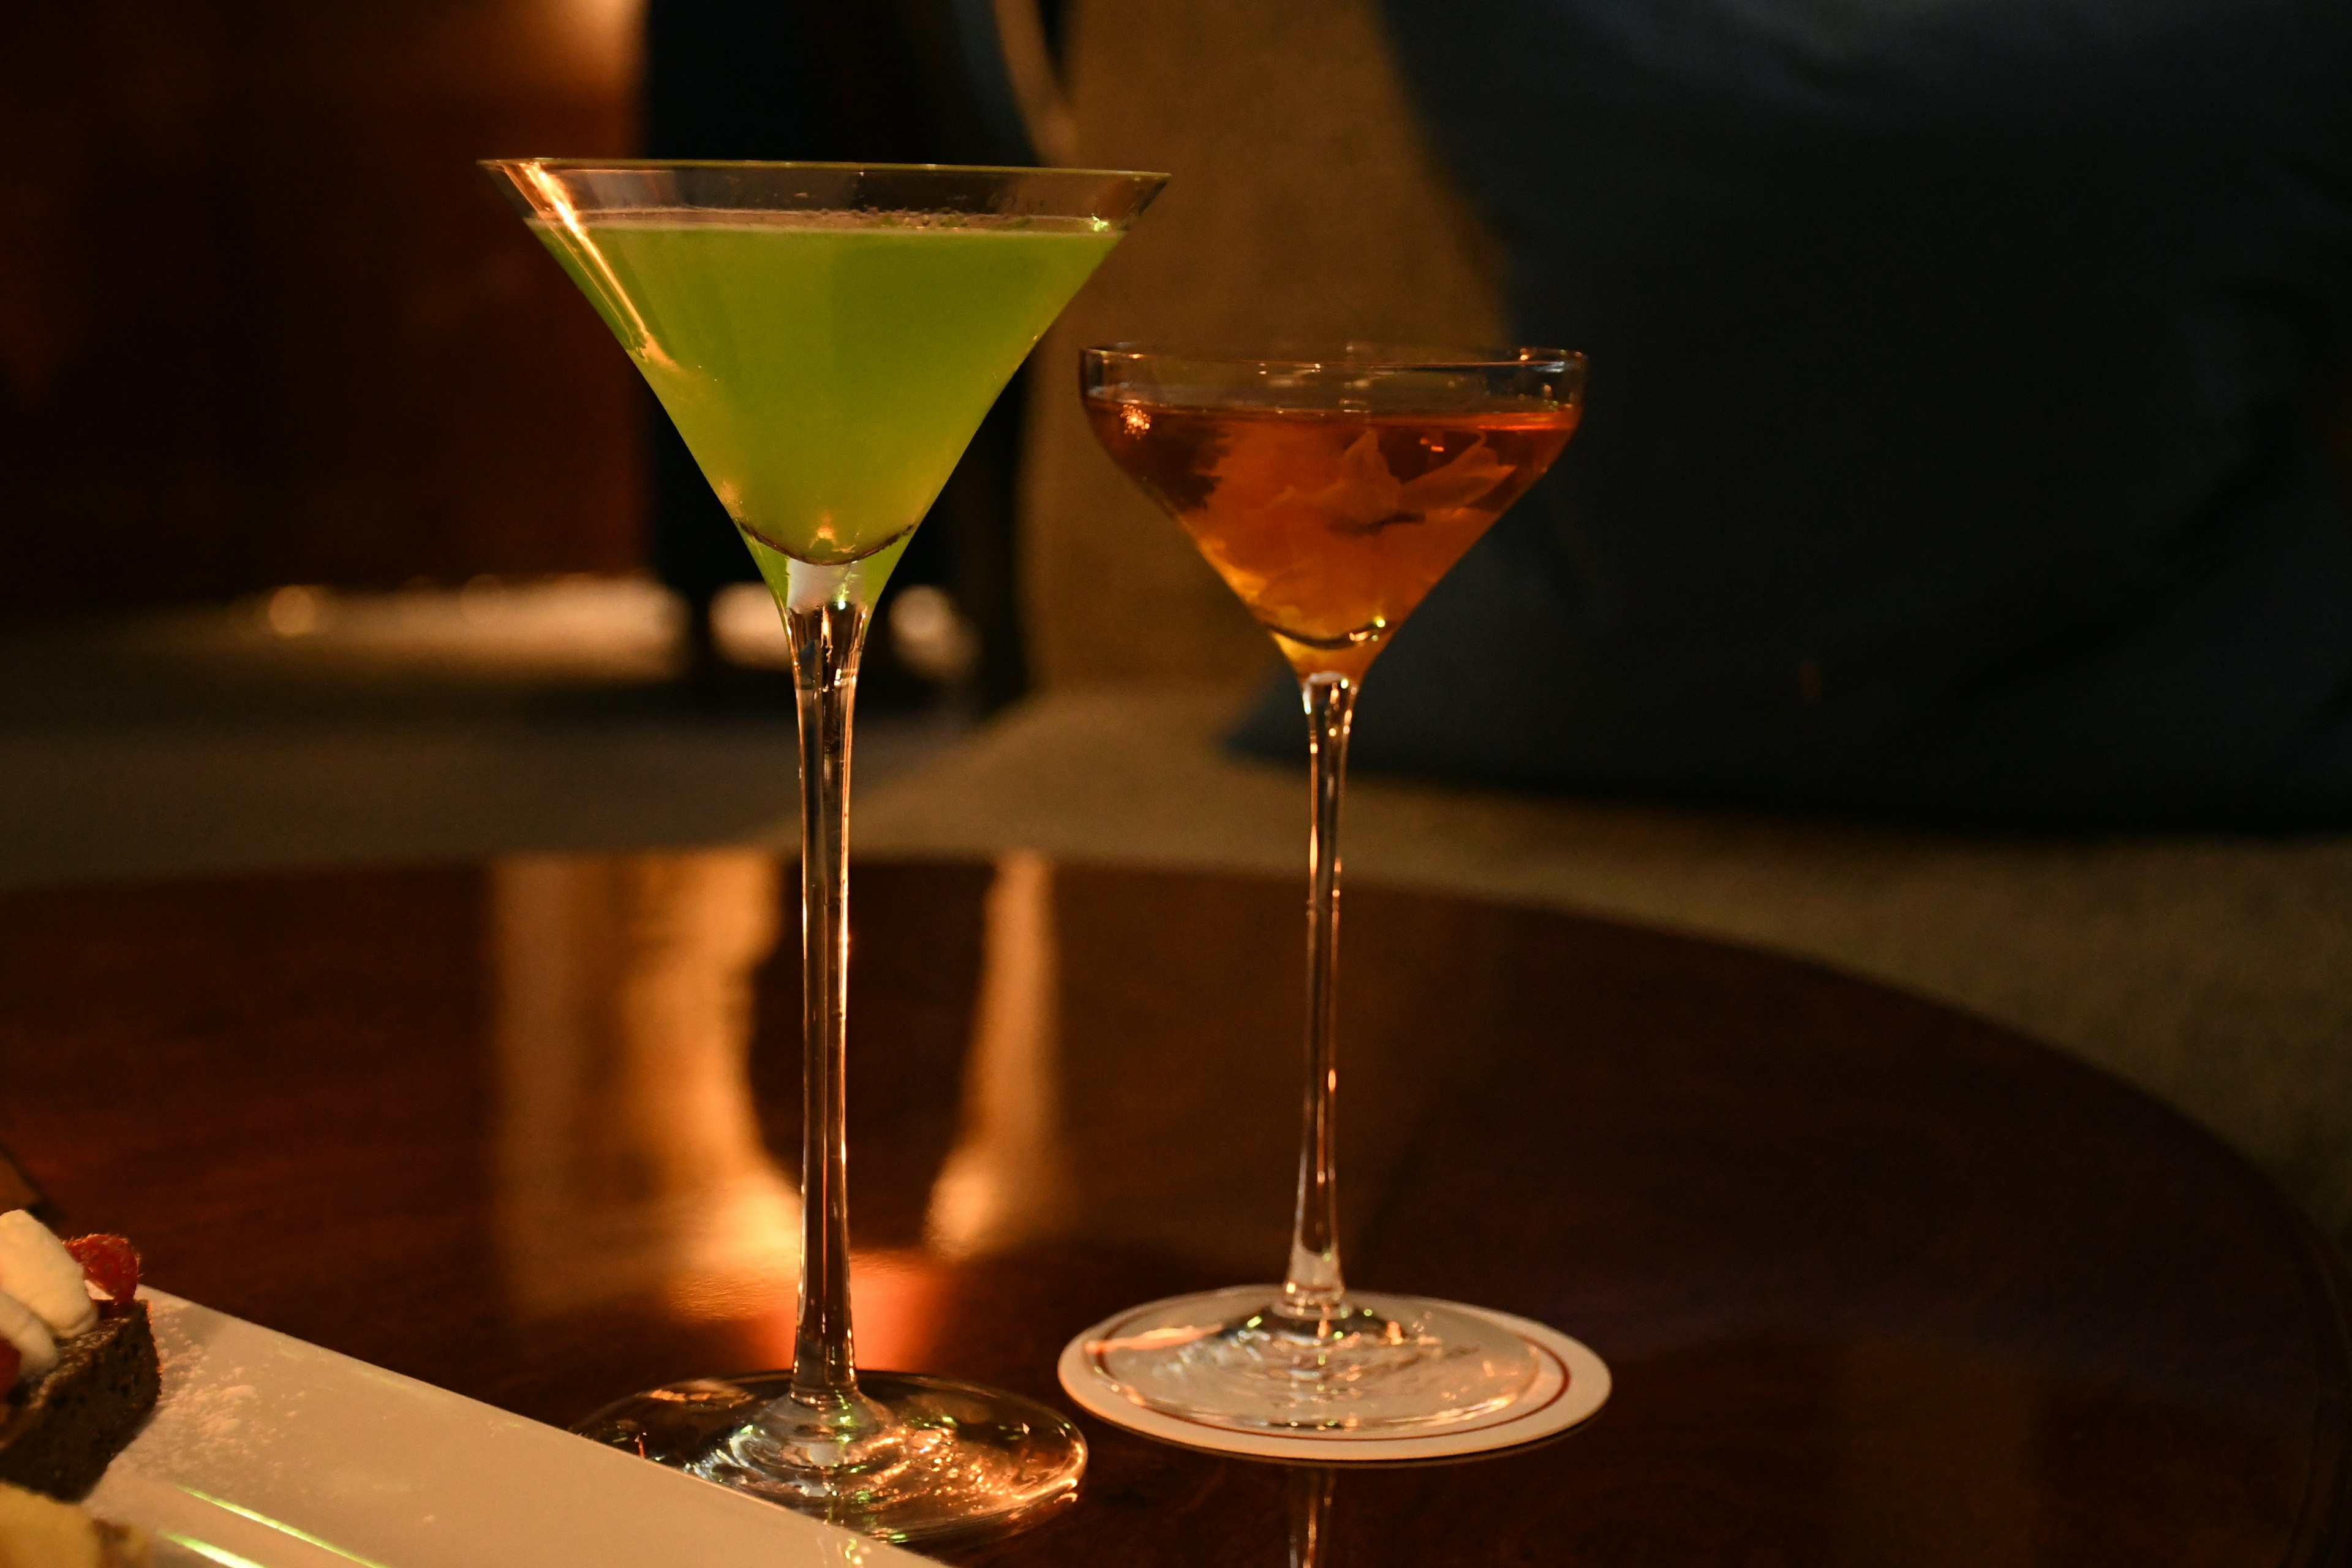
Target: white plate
(268, 1452)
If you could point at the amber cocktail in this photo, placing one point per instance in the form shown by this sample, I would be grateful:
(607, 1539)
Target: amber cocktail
(1331, 492)
(1331, 525)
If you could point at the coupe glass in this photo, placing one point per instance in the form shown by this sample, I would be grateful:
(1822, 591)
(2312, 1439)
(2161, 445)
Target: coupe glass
(1331, 491)
(827, 338)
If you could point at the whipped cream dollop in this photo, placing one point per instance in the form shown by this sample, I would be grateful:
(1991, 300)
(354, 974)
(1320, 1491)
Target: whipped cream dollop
(37, 1270)
(42, 1294)
(21, 1327)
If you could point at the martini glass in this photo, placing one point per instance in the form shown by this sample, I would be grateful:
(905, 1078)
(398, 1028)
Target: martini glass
(1330, 493)
(827, 338)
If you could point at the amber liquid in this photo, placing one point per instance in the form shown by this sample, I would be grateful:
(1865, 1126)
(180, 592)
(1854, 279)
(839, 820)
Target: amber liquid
(1331, 526)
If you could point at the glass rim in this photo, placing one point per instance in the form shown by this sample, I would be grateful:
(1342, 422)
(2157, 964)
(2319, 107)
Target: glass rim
(647, 165)
(1365, 355)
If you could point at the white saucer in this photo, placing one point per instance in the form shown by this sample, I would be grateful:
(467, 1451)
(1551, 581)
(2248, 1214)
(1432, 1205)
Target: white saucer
(1571, 1383)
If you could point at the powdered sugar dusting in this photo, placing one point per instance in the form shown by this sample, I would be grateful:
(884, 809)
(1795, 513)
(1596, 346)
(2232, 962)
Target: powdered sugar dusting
(207, 1408)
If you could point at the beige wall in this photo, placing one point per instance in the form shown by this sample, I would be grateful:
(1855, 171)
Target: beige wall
(1306, 205)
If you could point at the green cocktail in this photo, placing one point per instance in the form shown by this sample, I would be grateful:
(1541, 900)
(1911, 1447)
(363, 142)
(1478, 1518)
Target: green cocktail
(827, 339)
(827, 370)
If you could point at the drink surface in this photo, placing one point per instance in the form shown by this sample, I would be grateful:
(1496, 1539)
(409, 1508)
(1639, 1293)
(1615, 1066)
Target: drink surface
(827, 368)
(1331, 525)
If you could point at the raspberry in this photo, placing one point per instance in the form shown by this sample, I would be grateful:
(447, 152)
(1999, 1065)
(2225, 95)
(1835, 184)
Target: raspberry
(110, 1263)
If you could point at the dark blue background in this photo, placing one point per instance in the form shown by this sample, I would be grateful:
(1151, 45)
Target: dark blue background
(1949, 451)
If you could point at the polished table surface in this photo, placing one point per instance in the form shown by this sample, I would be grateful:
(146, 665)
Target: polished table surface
(1879, 1283)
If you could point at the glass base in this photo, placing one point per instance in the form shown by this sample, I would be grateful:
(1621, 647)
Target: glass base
(917, 1458)
(1377, 1364)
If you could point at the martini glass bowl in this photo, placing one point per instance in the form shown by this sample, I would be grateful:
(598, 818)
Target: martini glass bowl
(827, 338)
(1330, 491)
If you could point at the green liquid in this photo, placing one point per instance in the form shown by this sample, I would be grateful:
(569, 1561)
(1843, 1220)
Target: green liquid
(827, 370)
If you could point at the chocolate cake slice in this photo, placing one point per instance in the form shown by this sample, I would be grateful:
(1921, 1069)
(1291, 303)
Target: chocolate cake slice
(59, 1434)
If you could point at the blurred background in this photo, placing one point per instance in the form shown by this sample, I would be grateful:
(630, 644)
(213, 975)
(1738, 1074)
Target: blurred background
(264, 323)
(336, 528)
(268, 336)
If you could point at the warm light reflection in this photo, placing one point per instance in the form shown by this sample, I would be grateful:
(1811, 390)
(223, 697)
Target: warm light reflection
(296, 610)
(748, 628)
(900, 1304)
(557, 211)
(629, 1157)
(1187, 1142)
(1311, 1515)
(1008, 1178)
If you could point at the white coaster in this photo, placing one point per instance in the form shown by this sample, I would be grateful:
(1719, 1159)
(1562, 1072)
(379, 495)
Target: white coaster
(1571, 1383)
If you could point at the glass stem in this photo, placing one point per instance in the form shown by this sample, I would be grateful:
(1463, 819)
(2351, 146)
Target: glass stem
(827, 624)
(1313, 1288)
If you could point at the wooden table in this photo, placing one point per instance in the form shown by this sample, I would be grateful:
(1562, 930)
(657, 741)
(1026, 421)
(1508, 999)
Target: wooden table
(1879, 1284)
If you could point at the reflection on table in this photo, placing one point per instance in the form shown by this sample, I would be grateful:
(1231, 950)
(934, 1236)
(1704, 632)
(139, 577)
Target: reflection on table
(628, 1155)
(1878, 1283)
